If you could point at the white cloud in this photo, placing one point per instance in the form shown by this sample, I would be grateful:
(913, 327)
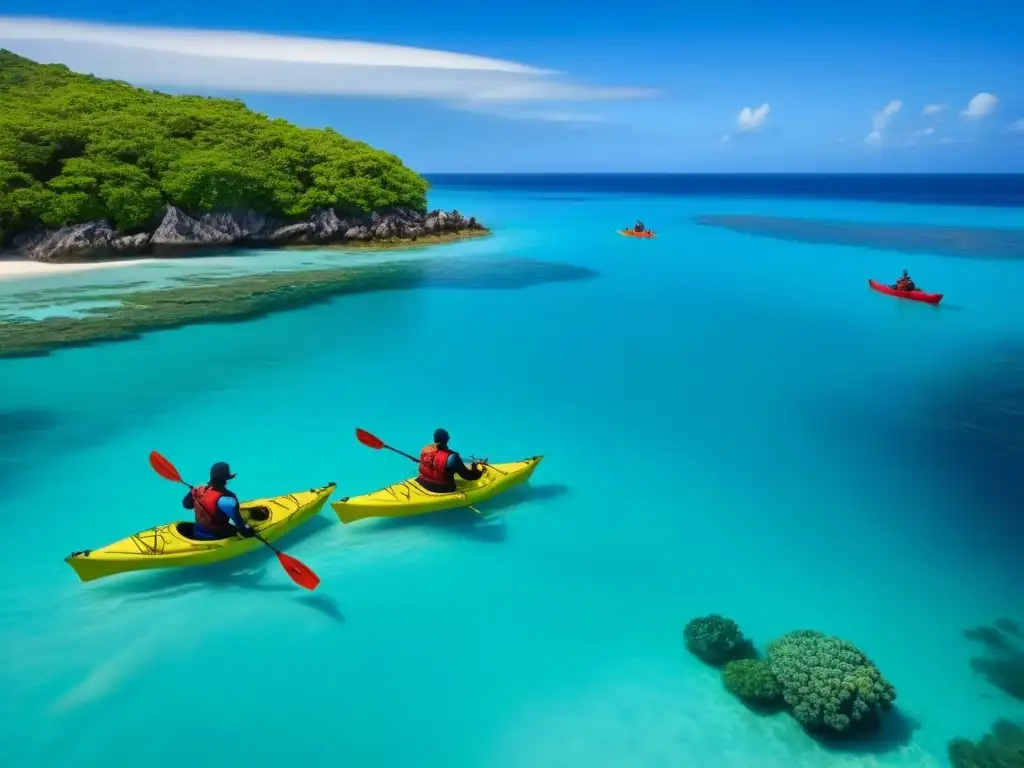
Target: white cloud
(981, 105)
(933, 109)
(247, 62)
(880, 119)
(1017, 126)
(752, 119)
(914, 136)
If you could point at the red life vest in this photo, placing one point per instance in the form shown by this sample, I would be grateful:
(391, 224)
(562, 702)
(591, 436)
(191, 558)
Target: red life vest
(208, 514)
(433, 463)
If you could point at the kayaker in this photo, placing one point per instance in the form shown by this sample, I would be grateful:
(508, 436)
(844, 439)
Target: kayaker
(218, 515)
(639, 226)
(439, 465)
(904, 283)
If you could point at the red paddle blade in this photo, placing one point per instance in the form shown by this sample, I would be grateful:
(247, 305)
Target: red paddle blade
(164, 468)
(369, 440)
(298, 572)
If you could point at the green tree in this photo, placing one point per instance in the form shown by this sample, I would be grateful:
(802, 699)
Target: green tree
(76, 148)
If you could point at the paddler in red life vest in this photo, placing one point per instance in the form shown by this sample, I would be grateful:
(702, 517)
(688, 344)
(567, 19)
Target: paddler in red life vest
(218, 515)
(439, 465)
(904, 283)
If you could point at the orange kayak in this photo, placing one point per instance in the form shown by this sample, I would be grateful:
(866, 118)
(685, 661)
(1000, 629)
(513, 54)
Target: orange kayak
(634, 233)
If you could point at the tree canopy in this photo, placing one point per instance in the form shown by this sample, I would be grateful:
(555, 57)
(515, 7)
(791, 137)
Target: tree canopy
(76, 148)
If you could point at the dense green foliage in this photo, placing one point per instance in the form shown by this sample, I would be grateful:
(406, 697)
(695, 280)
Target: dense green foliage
(75, 148)
(752, 681)
(716, 640)
(829, 684)
(1002, 748)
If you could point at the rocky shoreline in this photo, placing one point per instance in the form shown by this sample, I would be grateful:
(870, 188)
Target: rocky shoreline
(179, 234)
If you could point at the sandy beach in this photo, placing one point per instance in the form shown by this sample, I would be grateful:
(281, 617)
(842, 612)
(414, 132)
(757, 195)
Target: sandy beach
(23, 269)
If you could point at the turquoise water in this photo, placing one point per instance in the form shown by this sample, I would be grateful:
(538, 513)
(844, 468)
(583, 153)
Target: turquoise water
(725, 420)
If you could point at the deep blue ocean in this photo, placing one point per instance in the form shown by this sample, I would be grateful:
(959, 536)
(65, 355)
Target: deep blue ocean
(732, 424)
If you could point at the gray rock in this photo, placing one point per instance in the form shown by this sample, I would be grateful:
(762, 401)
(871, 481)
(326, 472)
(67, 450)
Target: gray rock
(359, 232)
(130, 244)
(241, 225)
(292, 233)
(179, 230)
(329, 227)
(83, 242)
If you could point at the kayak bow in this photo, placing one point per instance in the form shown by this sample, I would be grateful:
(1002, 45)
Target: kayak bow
(927, 298)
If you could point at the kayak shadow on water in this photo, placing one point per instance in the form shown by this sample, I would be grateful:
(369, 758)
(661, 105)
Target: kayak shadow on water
(257, 571)
(522, 494)
(463, 522)
(466, 522)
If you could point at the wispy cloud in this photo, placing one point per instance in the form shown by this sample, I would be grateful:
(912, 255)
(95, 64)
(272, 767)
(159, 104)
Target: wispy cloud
(933, 109)
(1017, 126)
(880, 120)
(751, 119)
(248, 62)
(915, 136)
(748, 120)
(981, 105)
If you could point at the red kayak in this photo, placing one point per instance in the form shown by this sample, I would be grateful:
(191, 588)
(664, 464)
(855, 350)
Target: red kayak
(927, 298)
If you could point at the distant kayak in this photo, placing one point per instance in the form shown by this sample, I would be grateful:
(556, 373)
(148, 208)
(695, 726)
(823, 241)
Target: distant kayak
(633, 233)
(927, 298)
(409, 498)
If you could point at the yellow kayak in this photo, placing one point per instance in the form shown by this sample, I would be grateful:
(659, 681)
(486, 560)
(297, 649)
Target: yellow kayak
(168, 546)
(409, 498)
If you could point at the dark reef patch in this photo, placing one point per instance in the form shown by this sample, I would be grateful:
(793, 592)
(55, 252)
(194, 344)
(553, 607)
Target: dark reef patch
(1003, 662)
(22, 430)
(972, 433)
(209, 300)
(969, 242)
(1003, 747)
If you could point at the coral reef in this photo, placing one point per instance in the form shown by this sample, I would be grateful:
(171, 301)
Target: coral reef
(207, 300)
(753, 683)
(829, 684)
(716, 640)
(1002, 748)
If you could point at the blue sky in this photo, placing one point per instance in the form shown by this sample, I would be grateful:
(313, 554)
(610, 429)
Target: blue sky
(739, 86)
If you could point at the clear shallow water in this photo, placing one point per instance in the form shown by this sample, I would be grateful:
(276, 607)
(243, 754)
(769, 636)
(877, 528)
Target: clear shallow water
(707, 450)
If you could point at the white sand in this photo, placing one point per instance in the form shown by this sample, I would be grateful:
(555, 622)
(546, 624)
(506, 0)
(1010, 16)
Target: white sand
(22, 269)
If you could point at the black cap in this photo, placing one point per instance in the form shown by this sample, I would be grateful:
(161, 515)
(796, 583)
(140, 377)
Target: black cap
(221, 471)
(441, 436)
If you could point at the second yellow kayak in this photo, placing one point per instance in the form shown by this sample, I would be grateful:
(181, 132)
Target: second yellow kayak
(168, 546)
(409, 498)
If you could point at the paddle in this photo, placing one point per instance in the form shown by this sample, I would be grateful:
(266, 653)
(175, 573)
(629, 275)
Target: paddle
(298, 571)
(372, 441)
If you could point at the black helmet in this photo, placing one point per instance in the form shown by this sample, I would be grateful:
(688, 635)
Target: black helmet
(221, 471)
(441, 436)
(904, 273)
